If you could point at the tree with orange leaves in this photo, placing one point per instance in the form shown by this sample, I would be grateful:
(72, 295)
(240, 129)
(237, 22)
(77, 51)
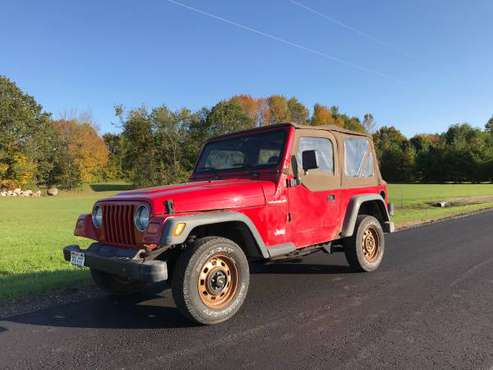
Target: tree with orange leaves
(85, 152)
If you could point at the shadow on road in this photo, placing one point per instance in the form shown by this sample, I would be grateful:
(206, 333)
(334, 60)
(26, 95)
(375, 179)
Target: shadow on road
(155, 308)
(295, 267)
(135, 312)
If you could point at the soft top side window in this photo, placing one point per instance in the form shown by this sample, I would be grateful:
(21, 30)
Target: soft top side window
(324, 150)
(358, 157)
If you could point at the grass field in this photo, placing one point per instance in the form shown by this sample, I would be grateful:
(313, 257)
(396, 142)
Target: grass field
(413, 202)
(33, 230)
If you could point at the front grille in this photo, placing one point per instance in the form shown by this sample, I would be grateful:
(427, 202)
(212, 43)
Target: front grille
(118, 223)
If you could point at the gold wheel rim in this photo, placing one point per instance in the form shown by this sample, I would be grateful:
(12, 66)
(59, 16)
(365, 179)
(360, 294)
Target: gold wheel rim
(371, 244)
(218, 281)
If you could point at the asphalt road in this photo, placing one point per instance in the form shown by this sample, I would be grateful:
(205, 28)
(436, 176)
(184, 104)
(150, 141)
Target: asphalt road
(429, 306)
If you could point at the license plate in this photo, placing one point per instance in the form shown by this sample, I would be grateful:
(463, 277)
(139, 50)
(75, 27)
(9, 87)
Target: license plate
(77, 259)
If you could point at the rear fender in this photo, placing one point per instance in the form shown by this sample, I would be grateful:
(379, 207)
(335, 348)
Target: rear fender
(353, 210)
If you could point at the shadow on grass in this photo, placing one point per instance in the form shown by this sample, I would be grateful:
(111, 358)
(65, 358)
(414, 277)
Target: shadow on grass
(111, 187)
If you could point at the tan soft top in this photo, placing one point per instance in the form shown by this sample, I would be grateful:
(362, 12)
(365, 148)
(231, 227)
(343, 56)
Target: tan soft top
(325, 128)
(331, 128)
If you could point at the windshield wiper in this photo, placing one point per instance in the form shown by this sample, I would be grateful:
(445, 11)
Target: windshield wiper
(251, 169)
(213, 170)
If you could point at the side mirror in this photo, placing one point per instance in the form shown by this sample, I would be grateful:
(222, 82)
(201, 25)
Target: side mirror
(309, 159)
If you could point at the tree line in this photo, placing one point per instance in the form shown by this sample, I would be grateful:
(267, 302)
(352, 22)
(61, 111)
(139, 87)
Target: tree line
(38, 150)
(160, 145)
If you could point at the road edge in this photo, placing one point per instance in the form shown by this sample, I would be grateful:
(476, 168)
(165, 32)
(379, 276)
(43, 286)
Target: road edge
(443, 219)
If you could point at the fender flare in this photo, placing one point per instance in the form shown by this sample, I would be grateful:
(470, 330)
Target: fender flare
(353, 210)
(216, 217)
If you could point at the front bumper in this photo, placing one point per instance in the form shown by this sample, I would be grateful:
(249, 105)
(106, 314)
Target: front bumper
(121, 262)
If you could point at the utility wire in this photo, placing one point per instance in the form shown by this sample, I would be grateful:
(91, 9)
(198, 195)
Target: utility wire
(284, 41)
(346, 26)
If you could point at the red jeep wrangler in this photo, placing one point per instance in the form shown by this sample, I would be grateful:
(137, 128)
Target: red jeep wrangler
(270, 193)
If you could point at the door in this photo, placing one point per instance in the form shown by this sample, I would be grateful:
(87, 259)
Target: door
(313, 203)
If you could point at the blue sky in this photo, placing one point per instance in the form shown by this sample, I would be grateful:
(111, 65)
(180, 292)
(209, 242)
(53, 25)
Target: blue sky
(419, 65)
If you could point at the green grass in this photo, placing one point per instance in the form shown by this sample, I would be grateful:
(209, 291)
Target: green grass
(33, 230)
(413, 201)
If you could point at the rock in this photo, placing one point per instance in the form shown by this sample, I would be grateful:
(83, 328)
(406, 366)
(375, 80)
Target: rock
(37, 193)
(28, 193)
(17, 191)
(441, 204)
(3, 194)
(52, 191)
(10, 193)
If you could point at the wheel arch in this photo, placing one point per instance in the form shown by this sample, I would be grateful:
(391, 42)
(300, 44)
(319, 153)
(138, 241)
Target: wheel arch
(370, 204)
(232, 225)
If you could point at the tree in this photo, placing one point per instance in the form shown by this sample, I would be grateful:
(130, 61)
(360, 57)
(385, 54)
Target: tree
(226, 117)
(324, 115)
(321, 115)
(161, 146)
(297, 112)
(278, 107)
(138, 150)
(263, 113)
(353, 124)
(396, 155)
(85, 152)
(465, 153)
(25, 137)
(114, 145)
(170, 131)
(369, 123)
(249, 105)
(489, 125)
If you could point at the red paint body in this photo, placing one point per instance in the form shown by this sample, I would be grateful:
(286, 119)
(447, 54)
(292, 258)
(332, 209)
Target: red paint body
(280, 213)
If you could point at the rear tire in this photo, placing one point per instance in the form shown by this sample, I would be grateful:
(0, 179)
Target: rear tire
(364, 250)
(115, 285)
(211, 279)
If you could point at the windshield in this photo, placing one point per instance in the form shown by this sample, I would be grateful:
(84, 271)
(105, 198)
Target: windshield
(261, 150)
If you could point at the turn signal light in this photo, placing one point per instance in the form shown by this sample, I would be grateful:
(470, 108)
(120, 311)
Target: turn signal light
(179, 229)
(79, 227)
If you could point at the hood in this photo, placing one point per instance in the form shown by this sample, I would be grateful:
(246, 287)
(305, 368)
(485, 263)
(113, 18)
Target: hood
(202, 195)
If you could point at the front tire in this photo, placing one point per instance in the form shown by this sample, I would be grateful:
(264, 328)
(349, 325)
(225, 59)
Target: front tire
(365, 249)
(115, 285)
(211, 280)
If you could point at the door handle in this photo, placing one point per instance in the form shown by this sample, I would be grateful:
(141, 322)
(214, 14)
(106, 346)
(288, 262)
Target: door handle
(331, 198)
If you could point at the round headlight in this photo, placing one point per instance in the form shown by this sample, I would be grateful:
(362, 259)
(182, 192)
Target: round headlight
(142, 217)
(97, 216)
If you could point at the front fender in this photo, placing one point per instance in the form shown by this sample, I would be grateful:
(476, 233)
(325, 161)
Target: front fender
(209, 218)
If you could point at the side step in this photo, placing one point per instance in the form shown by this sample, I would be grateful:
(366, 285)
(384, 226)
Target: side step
(281, 250)
(288, 250)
